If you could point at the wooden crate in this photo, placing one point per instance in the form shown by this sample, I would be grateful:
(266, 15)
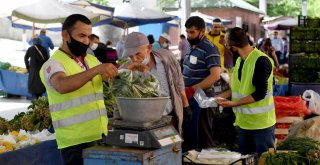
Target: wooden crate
(282, 126)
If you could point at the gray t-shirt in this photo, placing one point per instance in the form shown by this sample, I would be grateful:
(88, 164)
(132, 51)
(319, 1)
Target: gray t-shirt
(159, 71)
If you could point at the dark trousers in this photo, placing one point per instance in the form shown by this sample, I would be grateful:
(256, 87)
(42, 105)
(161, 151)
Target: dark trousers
(73, 155)
(280, 57)
(256, 141)
(191, 130)
(198, 133)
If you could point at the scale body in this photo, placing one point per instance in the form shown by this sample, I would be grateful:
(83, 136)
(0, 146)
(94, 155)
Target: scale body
(138, 144)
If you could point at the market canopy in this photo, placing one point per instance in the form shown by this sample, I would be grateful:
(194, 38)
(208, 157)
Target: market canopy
(207, 18)
(105, 12)
(282, 24)
(219, 4)
(128, 15)
(47, 14)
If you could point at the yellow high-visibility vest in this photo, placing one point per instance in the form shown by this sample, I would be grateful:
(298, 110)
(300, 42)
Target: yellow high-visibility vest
(256, 115)
(79, 116)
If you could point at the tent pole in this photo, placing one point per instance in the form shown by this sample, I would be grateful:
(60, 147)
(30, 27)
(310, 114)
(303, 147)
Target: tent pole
(33, 34)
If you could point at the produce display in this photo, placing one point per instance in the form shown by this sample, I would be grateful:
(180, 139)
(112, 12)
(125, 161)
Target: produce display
(8, 66)
(108, 98)
(304, 68)
(298, 151)
(16, 140)
(4, 65)
(18, 69)
(135, 84)
(37, 118)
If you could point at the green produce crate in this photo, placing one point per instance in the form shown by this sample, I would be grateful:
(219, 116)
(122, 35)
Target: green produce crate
(304, 21)
(304, 68)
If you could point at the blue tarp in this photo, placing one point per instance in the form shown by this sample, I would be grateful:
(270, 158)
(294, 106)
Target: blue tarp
(280, 90)
(14, 83)
(43, 153)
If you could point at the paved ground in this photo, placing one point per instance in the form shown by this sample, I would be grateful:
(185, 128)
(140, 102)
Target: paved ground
(12, 51)
(12, 106)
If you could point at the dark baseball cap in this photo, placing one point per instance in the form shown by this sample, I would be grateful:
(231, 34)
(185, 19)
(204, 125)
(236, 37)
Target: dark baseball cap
(132, 43)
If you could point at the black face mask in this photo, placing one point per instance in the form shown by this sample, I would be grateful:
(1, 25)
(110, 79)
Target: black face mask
(235, 54)
(196, 40)
(77, 48)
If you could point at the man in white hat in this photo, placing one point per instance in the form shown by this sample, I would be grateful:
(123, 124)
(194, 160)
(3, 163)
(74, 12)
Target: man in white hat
(164, 41)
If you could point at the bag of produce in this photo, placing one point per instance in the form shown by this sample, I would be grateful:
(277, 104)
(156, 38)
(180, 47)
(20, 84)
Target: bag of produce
(314, 101)
(135, 84)
(290, 106)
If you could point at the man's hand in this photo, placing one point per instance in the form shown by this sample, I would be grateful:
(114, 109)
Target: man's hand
(107, 71)
(137, 67)
(226, 103)
(187, 114)
(189, 92)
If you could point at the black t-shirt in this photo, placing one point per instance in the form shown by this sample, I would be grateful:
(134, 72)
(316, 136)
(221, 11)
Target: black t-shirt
(260, 78)
(100, 52)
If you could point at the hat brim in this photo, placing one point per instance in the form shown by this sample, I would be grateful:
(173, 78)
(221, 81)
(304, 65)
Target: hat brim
(130, 52)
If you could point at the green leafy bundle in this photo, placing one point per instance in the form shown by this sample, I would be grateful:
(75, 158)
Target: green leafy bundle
(300, 151)
(135, 84)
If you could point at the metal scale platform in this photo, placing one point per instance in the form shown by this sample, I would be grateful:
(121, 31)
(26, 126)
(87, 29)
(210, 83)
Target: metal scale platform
(148, 135)
(149, 143)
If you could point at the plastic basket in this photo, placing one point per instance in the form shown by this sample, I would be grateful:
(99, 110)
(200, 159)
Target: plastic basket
(304, 21)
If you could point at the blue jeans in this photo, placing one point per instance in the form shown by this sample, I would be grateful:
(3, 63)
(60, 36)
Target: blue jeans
(256, 141)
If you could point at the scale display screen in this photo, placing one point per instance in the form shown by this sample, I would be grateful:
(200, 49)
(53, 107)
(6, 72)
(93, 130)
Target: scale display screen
(164, 132)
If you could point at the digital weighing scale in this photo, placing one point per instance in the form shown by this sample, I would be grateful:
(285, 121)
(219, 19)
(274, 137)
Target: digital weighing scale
(147, 135)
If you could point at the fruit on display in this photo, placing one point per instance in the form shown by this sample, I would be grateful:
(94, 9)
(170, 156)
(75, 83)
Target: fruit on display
(37, 118)
(18, 69)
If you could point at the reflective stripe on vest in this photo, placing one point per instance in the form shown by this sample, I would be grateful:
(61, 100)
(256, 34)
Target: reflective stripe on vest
(255, 110)
(80, 118)
(240, 96)
(76, 102)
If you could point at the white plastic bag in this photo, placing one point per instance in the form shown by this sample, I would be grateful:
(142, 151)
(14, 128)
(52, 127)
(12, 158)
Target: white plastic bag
(314, 101)
(204, 101)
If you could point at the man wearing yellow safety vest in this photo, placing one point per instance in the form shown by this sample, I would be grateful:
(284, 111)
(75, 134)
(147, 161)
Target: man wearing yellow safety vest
(73, 80)
(251, 91)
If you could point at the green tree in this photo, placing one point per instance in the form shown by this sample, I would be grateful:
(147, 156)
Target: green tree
(100, 2)
(290, 7)
(313, 8)
(281, 7)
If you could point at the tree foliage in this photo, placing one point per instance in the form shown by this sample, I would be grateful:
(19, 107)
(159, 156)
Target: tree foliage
(100, 2)
(289, 7)
(314, 8)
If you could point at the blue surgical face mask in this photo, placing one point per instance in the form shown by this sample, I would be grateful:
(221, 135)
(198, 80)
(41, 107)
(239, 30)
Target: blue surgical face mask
(145, 61)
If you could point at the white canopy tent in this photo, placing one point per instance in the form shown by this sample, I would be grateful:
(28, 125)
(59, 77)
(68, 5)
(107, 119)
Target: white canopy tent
(47, 14)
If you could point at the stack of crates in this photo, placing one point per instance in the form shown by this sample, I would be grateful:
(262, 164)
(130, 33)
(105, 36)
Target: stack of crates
(282, 126)
(304, 59)
(289, 110)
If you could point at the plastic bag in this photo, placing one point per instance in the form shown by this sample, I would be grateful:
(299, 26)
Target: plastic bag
(204, 101)
(314, 101)
(290, 106)
(135, 84)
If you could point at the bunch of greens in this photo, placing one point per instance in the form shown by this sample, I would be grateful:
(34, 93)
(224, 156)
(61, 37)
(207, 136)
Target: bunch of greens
(135, 84)
(108, 98)
(301, 151)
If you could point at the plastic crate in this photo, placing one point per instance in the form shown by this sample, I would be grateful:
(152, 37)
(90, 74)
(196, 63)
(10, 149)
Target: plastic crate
(304, 39)
(304, 68)
(304, 21)
(297, 89)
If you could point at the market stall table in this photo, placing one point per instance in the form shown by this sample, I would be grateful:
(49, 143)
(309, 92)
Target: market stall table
(14, 83)
(43, 153)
